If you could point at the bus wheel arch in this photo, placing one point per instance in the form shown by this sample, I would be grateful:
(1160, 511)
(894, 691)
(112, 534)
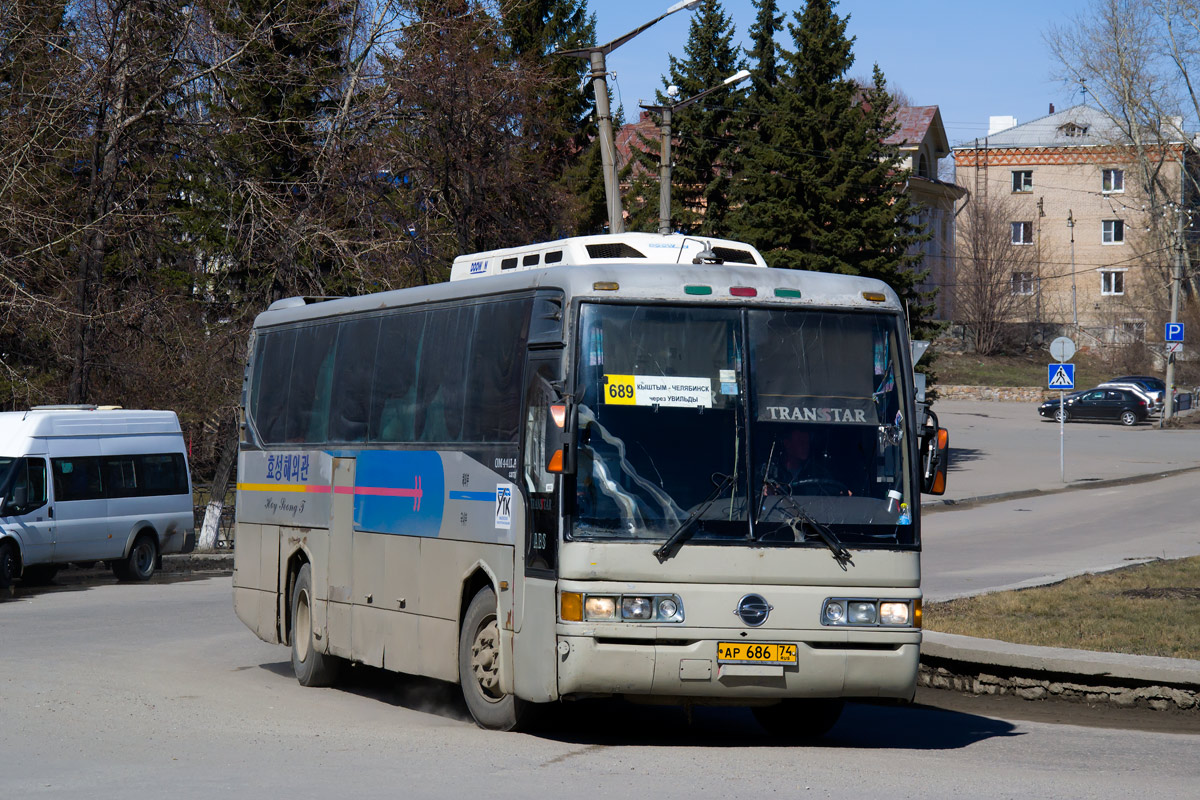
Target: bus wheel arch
(295, 561)
(480, 665)
(312, 667)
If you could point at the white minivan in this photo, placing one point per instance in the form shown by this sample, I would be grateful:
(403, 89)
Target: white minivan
(82, 484)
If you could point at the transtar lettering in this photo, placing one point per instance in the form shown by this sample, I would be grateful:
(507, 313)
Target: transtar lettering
(797, 414)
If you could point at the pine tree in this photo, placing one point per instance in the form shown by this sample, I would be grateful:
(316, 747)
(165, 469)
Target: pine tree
(536, 29)
(702, 132)
(818, 188)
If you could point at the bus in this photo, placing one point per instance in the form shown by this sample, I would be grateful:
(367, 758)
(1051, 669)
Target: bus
(655, 469)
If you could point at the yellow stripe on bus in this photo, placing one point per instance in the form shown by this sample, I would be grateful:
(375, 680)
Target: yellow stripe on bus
(272, 487)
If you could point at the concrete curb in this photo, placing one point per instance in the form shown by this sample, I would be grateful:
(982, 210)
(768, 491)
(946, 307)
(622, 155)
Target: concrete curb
(1061, 661)
(988, 667)
(935, 506)
(198, 562)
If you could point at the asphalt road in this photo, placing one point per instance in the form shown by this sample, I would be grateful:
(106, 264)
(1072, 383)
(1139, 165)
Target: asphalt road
(1042, 539)
(117, 690)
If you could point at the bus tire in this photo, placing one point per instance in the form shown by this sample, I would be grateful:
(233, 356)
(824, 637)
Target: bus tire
(479, 667)
(141, 562)
(312, 667)
(809, 718)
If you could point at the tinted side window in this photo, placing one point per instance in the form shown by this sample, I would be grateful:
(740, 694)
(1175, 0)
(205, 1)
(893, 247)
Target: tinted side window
(353, 374)
(311, 384)
(161, 474)
(77, 479)
(120, 476)
(272, 378)
(440, 389)
(394, 389)
(492, 397)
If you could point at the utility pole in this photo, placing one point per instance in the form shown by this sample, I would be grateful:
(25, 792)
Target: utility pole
(1176, 279)
(597, 57)
(664, 152)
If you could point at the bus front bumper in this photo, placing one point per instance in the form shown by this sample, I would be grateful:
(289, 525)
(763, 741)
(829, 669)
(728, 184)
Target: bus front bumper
(841, 663)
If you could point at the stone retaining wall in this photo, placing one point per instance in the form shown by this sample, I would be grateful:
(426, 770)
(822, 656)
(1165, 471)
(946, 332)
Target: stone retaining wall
(1015, 394)
(1068, 688)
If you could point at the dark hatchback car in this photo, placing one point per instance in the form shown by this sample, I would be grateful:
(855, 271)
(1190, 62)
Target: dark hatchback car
(1103, 404)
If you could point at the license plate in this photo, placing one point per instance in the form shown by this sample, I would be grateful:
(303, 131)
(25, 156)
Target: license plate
(755, 653)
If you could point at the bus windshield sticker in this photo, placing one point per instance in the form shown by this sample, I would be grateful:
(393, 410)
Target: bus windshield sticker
(504, 506)
(658, 390)
(729, 382)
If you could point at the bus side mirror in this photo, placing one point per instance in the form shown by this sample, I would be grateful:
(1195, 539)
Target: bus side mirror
(935, 458)
(560, 438)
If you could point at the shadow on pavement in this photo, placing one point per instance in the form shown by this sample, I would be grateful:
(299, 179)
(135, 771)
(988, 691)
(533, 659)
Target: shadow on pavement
(617, 723)
(963, 455)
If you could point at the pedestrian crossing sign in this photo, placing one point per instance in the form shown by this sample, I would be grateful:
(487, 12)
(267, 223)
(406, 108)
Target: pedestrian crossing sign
(1061, 376)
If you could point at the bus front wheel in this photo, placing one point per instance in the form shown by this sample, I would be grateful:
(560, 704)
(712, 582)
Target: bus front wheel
(799, 718)
(479, 667)
(312, 667)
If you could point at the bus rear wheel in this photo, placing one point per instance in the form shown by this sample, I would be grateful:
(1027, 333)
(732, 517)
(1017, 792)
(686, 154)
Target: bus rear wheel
(479, 667)
(800, 718)
(312, 667)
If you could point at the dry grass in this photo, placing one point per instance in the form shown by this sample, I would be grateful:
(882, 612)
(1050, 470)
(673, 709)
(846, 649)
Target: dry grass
(1149, 610)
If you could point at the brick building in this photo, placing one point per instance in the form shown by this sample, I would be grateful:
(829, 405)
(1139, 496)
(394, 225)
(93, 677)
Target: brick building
(1067, 176)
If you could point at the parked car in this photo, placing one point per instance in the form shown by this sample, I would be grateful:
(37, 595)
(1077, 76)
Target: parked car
(1156, 388)
(1155, 400)
(1102, 403)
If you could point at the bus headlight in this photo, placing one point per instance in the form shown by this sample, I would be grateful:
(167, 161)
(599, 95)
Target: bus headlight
(871, 612)
(862, 613)
(580, 607)
(600, 607)
(893, 613)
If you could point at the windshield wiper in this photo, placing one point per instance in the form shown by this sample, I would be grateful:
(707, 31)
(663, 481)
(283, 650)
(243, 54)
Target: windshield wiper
(686, 529)
(799, 516)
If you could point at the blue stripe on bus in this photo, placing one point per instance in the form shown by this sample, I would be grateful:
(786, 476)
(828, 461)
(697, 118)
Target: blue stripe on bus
(480, 497)
(414, 506)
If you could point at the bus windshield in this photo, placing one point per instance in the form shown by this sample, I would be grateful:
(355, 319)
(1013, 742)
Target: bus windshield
(746, 424)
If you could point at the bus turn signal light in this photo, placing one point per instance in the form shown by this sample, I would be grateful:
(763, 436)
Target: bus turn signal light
(571, 607)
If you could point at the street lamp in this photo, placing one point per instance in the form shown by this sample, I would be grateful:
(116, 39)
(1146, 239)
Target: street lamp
(664, 153)
(608, 149)
(1074, 308)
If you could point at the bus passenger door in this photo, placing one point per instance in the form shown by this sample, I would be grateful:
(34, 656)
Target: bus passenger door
(535, 665)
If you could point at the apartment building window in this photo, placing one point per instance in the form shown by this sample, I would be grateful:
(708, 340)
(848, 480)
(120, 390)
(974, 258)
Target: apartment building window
(1134, 328)
(1113, 181)
(1112, 281)
(1022, 283)
(1022, 233)
(1113, 231)
(1022, 180)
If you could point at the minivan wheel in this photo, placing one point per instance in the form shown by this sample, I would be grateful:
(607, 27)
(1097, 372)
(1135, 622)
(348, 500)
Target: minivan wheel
(1128, 418)
(141, 562)
(10, 564)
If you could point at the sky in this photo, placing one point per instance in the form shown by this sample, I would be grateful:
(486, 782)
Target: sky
(971, 58)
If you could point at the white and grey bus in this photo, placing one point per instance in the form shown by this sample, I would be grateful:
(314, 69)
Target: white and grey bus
(642, 471)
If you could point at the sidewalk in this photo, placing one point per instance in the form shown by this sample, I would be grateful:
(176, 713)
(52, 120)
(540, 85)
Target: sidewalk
(1003, 450)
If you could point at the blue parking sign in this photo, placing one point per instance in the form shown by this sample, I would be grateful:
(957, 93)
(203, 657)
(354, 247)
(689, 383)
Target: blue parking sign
(1060, 376)
(1173, 332)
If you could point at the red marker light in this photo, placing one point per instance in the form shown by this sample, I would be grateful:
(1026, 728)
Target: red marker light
(743, 291)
